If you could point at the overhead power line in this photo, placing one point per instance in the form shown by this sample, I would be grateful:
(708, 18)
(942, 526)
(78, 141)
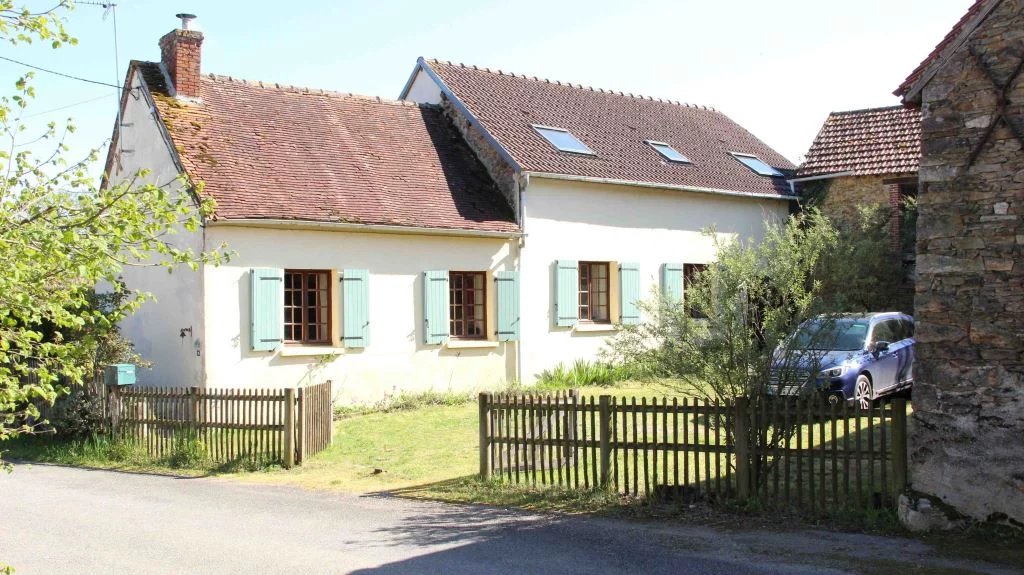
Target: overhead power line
(61, 74)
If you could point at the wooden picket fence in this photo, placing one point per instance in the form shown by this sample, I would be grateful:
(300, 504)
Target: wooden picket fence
(259, 426)
(783, 452)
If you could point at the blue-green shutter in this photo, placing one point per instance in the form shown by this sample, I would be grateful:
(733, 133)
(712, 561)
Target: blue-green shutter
(266, 314)
(507, 292)
(435, 307)
(567, 290)
(355, 304)
(629, 293)
(672, 282)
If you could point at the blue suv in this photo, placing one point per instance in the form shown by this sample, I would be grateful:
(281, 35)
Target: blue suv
(854, 357)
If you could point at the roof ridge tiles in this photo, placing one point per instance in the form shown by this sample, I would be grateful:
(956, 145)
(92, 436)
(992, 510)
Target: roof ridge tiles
(291, 89)
(866, 110)
(570, 84)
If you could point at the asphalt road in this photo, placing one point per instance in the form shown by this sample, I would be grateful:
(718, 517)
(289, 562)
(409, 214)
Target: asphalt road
(57, 520)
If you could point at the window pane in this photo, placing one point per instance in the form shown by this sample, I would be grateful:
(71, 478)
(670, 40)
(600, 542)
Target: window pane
(456, 281)
(563, 140)
(478, 281)
(669, 152)
(755, 164)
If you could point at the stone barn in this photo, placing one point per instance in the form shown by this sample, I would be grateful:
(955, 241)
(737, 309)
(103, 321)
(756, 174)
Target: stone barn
(967, 442)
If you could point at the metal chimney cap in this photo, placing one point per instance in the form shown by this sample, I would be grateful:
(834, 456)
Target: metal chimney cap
(186, 20)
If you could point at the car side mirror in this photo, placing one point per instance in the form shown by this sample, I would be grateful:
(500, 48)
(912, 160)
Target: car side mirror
(879, 346)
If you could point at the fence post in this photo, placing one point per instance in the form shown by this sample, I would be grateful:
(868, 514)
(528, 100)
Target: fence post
(605, 426)
(115, 409)
(485, 435)
(194, 415)
(289, 427)
(302, 417)
(899, 445)
(741, 435)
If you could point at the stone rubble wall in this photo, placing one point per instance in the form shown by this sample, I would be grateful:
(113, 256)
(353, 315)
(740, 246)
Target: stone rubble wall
(967, 438)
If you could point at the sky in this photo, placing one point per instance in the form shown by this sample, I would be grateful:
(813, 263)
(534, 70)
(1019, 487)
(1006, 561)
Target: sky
(777, 68)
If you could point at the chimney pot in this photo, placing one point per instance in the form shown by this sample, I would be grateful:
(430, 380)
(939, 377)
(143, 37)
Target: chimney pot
(186, 20)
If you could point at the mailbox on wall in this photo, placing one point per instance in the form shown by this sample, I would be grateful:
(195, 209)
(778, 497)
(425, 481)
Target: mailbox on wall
(119, 374)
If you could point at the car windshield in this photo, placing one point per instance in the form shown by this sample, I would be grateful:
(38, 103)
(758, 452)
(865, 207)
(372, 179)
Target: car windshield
(832, 334)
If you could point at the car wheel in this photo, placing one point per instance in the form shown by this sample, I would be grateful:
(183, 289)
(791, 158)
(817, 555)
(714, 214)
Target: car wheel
(864, 392)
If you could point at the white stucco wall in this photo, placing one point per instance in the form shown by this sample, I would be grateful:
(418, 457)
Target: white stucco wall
(601, 222)
(396, 359)
(155, 328)
(423, 89)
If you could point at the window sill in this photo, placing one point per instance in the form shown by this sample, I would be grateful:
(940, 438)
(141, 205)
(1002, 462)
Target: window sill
(595, 327)
(310, 350)
(471, 344)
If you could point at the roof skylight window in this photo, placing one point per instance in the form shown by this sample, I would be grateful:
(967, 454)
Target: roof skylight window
(755, 164)
(563, 140)
(670, 153)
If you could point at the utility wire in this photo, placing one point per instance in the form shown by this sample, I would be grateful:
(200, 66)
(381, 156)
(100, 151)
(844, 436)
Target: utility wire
(69, 76)
(33, 115)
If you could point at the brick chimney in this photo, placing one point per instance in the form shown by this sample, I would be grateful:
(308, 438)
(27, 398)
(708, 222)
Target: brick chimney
(180, 53)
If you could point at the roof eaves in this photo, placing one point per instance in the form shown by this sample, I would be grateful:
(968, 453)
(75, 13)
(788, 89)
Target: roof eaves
(657, 185)
(422, 64)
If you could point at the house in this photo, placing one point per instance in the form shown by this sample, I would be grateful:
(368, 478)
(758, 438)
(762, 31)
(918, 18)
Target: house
(479, 230)
(968, 422)
(868, 157)
(611, 192)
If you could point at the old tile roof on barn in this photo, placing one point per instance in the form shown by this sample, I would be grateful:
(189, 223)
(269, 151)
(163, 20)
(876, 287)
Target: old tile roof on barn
(615, 126)
(866, 142)
(956, 33)
(270, 152)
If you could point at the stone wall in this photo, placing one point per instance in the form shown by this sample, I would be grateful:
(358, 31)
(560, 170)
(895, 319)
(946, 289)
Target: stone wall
(501, 172)
(842, 195)
(967, 441)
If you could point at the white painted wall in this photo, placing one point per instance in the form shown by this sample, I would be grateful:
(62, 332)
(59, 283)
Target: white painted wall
(601, 222)
(155, 327)
(396, 359)
(423, 89)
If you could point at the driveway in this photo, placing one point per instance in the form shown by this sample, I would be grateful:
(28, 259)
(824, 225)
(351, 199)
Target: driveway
(65, 520)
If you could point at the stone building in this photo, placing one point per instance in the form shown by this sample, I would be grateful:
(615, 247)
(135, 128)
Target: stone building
(967, 443)
(868, 157)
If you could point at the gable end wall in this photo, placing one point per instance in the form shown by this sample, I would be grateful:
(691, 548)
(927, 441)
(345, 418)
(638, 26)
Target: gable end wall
(967, 441)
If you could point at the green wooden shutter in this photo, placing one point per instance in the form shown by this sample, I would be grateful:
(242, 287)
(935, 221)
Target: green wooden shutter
(355, 304)
(567, 289)
(672, 282)
(266, 314)
(435, 307)
(629, 293)
(507, 293)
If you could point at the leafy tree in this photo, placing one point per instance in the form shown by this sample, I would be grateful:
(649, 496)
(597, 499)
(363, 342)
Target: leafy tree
(731, 337)
(61, 235)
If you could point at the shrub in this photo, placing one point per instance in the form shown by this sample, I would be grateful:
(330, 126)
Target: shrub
(582, 374)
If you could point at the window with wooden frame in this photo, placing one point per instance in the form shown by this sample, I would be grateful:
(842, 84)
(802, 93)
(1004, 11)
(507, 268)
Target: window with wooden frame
(467, 305)
(690, 272)
(307, 306)
(594, 296)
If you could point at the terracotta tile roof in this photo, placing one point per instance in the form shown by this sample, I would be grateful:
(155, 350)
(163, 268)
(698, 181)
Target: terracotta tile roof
(873, 141)
(615, 126)
(272, 152)
(952, 36)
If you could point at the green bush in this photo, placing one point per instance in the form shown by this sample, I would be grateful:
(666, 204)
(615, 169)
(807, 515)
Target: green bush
(583, 374)
(188, 451)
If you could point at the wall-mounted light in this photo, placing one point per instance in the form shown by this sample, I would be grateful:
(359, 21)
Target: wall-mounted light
(185, 330)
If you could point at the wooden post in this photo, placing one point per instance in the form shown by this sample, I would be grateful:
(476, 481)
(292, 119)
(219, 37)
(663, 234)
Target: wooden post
(194, 415)
(289, 428)
(115, 409)
(485, 436)
(741, 435)
(605, 430)
(302, 416)
(330, 412)
(899, 445)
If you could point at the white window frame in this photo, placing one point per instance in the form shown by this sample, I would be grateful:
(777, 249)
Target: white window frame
(586, 151)
(654, 146)
(775, 173)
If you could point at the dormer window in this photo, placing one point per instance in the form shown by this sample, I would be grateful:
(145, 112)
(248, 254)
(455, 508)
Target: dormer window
(670, 153)
(563, 140)
(755, 164)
